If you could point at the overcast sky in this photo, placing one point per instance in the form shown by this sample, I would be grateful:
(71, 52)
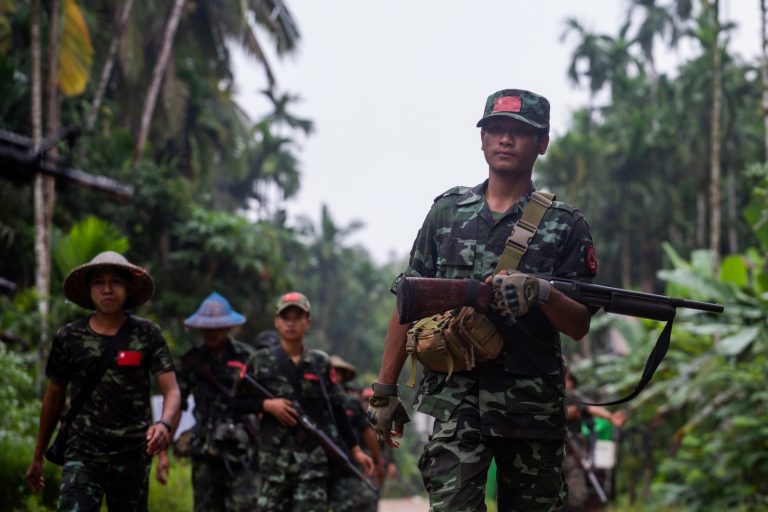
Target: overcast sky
(395, 89)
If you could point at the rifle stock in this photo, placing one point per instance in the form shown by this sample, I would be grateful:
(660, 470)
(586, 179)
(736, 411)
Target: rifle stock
(419, 297)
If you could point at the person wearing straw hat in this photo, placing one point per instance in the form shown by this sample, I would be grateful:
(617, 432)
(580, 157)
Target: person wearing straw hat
(348, 493)
(294, 467)
(224, 439)
(112, 437)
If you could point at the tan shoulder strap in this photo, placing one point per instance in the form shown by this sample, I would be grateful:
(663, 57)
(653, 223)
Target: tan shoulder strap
(523, 231)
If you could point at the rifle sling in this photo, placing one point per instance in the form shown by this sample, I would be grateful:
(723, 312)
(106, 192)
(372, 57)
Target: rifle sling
(524, 230)
(119, 340)
(654, 360)
(194, 358)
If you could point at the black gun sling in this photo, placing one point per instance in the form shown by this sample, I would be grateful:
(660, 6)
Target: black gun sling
(55, 452)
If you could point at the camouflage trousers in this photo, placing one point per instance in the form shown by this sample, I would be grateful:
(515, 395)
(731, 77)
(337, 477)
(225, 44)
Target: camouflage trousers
(350, 494)
(84, 484)
(454, 466)
(216, 489)
(293, 494)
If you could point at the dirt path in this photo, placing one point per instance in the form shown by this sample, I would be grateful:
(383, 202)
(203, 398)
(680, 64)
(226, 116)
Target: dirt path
(404, 505)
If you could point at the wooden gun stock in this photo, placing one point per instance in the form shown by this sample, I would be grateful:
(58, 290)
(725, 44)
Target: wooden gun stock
(419, 297)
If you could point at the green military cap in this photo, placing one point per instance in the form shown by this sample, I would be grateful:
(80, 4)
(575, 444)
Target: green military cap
(518, 104)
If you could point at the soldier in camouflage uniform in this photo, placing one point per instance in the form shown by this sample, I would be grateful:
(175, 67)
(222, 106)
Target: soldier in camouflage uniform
(348, 493)
(224, 442)
(511, 408)
(112, 439)
(295, 469)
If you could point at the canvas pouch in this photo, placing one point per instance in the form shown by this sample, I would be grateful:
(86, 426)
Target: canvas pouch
(453, 341)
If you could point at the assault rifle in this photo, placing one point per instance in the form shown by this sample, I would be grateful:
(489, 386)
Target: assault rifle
(332, 450)
(586, 465)
(419, 297)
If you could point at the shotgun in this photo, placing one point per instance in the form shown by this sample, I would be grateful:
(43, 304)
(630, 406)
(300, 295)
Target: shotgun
(419, 297)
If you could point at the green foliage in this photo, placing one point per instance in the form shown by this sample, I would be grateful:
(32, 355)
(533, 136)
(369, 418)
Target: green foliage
(85, 240)
(18, 431)
(176, 495)
(15, 456)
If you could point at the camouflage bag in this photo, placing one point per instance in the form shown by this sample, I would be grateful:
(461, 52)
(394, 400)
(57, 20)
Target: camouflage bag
(458, 339)
(454, 341)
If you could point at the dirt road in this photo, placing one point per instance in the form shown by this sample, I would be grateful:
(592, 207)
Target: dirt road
(404, 505)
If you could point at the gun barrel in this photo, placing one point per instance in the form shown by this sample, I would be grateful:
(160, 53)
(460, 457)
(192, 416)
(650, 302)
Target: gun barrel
(628, 302)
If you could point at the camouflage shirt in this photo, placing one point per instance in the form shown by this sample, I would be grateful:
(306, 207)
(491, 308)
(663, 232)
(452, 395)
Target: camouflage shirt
(114, 420)
(356, 415)
(211, 410)
(521, 392)
(281, 447)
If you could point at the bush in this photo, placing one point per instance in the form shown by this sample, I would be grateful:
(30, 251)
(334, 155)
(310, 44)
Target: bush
(176, 495)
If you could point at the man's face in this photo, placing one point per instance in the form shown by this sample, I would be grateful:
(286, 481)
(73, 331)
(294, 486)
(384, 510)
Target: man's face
(511, 146)
(291, 324)
(108, 291)
(215, 338)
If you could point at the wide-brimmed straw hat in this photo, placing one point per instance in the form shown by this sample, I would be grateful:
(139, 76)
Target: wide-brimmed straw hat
(348, 370)
(138, 288)
(214, 313)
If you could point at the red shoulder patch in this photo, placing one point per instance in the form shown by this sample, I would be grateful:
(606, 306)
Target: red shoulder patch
(240, 366)
(311, 376)
(591, 260)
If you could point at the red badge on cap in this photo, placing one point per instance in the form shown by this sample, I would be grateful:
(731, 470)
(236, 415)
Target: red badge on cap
(508, 104)
(591, 260)
(240, 366)
(291, 297)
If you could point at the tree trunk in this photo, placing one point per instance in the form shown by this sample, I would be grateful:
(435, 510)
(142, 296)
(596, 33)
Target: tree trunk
(764, 34)
(714, 175)
(733, 214)
(101, 90)
(44, 185)
(157, 77)
(39, 191)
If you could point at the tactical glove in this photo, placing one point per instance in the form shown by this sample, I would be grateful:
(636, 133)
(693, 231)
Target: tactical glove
(384, 410)
(513, 294)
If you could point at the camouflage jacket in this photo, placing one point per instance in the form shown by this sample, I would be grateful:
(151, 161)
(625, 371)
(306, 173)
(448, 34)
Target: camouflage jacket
(356, 415)
(281, 447)
(114, 420)
(211, 410)
(521, 392)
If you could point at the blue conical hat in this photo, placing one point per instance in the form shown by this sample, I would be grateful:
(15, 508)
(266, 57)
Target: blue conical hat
(214, 313)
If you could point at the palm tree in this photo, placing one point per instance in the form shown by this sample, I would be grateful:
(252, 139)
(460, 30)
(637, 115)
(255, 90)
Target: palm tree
(157, 75)
(715, 214)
